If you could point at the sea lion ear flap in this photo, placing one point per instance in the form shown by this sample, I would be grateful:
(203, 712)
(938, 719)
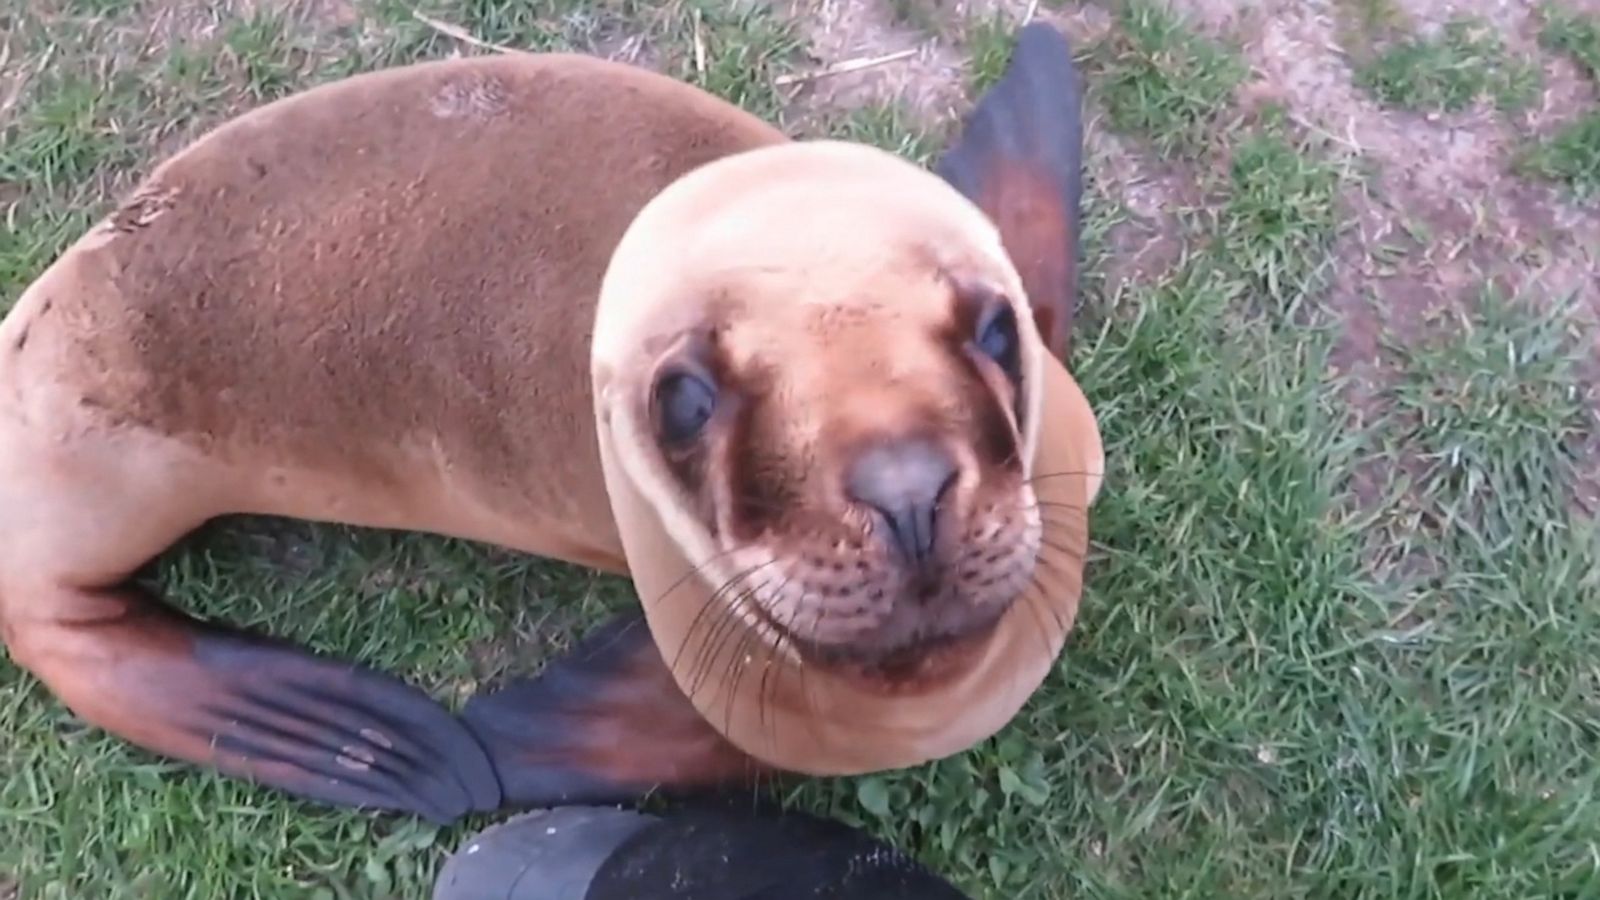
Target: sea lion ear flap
(1019, 157)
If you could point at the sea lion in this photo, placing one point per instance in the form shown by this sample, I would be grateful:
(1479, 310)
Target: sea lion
(587, 312)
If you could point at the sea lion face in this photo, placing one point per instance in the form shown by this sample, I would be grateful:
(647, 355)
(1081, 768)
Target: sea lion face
(831, 409)
(856, 460)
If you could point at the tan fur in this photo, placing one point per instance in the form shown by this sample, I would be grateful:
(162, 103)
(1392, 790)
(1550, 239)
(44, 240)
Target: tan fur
(435, 262)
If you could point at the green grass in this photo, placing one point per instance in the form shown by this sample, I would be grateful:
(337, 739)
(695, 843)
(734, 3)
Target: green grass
(989, 42)
(1274, 690)
(927, 16)
(1162, 80)
(1572, 33)
(1362, 25)
(1570, 157)
(1465, 63)
(888, 125)
(1280, 215)
(1492, 410)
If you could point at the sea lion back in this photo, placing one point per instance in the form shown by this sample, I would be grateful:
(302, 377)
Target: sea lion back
(361, 277)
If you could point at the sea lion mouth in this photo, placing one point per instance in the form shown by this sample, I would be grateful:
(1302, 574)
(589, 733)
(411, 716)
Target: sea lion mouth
(921, 662)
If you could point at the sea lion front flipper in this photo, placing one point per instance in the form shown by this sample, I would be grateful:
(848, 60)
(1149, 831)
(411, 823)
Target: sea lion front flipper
(1019, 157)
(604, 723)
(253, 707)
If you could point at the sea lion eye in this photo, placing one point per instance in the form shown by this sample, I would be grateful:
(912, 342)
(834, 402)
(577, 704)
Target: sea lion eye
(684, 403)
(997, 337)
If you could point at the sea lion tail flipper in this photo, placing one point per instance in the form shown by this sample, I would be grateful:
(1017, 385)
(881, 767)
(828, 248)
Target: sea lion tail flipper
(253, 707)
(604, 723)
(1019, 157)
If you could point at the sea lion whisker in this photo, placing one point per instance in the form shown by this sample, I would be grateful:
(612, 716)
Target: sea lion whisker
(1055, 505)
(1056, 518)
(1040, 588)
(733, 623)
(1037, 600)
(1059, 525)
(716, 598)
(1054, 542)
(711, 600)
(741, 662)
(1047, 581)
(712, 616)
(1028, 600)
(729, 623)
(723, 616)
(1047, 586)
(1043, 502)
(762, 632)
(711, 649)
(738, 664)
(693, 570)
(755, 630)
(1074, 559)
(1061, 532)
(1062, 474)
(774, 653)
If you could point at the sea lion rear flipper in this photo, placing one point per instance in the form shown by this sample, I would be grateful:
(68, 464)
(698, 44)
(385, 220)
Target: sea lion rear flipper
(1019, 157)
(255, 708)
(604, 723)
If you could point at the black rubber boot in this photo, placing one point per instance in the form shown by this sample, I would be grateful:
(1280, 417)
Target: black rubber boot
(545, 855)
(599, 853)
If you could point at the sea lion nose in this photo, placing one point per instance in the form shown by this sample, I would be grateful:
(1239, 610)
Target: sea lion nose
(903, 482)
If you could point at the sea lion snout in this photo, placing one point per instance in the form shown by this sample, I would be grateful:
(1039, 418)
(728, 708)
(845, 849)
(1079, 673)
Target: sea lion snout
(902, 483)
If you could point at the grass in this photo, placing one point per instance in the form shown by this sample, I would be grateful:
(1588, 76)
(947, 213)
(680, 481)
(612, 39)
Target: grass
(989, 42)
(1161, 79)
(1465, 63)
(1572, 33)
(1280, 215)
(1570, 157)
(1275, 690)
(1492, 411)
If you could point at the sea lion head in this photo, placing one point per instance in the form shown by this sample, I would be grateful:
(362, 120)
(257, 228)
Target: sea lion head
(825, 373)
(850, 472)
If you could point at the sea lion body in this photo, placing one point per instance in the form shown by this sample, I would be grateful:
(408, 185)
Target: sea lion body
(374, 303)
(178, 323)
